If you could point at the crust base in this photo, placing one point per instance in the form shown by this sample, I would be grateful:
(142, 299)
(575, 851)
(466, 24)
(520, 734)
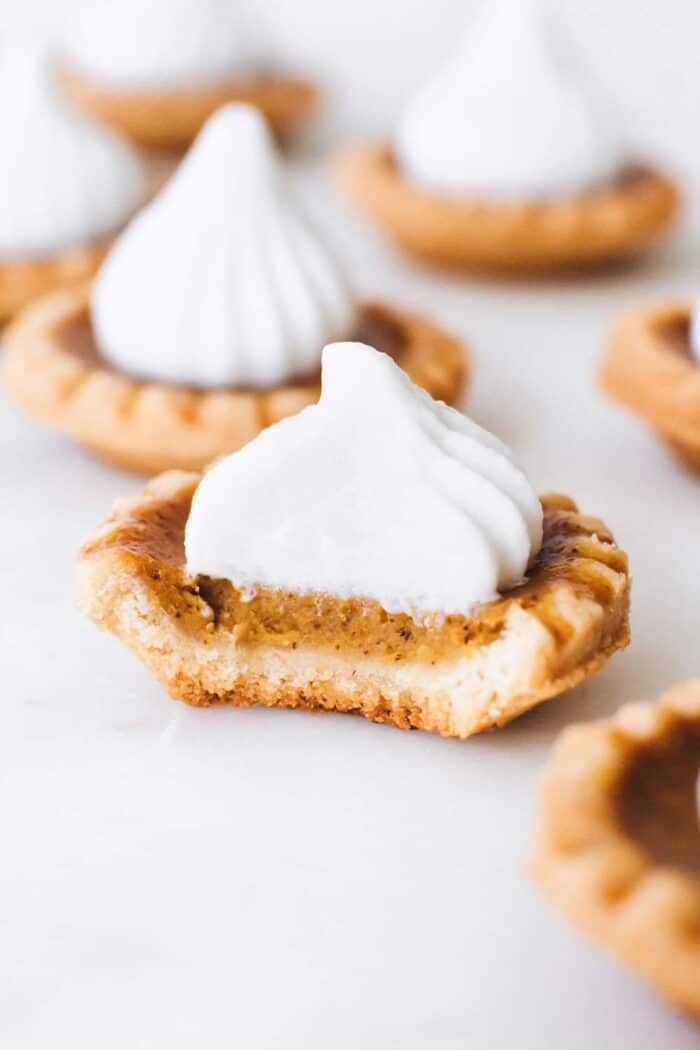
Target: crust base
(171, 119)
(597, 227)
(594, 870)
(649, 369)
(537, 641)
(25, 281)
(147, 427)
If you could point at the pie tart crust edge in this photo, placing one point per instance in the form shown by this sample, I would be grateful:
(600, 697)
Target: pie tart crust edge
(600, 226)
(589, 866)
(23, 281)
(540, 640)
(148, 427)
(653, 379)
(163, 119)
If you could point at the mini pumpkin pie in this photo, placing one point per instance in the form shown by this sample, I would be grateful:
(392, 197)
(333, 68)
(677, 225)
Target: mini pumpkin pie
(505, 161)
(207, 320)
(67, 185)
(379, 553)
(618, 843)
(651, 367)
(156, 70)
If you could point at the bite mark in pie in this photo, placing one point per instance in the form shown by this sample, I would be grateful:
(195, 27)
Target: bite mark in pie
(209, 643)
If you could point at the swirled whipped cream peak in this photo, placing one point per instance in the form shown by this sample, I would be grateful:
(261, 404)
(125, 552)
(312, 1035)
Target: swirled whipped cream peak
(64, 180)
(511, 116)
(220, 281)
(377, 492)
(152, 44)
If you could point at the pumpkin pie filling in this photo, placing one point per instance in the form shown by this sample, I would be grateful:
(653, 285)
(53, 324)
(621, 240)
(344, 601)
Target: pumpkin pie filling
(576, 599)
(658, 800)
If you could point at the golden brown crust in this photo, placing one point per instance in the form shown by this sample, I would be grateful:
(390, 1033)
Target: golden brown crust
(148, 427)
(649, 369)
(24, 281)
(598, 871)
(456, 678)
(171, 119)
(595, 227)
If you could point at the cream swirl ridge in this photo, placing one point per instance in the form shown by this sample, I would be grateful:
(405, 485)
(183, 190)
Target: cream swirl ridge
(64, 180)
(511, 116)
(221, 281)
(377, 492)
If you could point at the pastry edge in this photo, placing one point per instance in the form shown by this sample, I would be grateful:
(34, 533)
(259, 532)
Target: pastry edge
(147, 427)
(645, 914)
(170, 119)
(653, 380)
(590, 229)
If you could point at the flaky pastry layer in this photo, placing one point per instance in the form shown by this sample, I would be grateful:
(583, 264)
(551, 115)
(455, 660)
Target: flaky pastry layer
(598, 865)
(171, 119)
(650, 370)
(594, 227)
(455, 676)
(52, 369)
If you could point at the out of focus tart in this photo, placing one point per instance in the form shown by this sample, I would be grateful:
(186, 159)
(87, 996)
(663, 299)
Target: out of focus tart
(652, 369)
(207, 320)
(618, 841)
(67, 185)
(508, 162)
(156, 71)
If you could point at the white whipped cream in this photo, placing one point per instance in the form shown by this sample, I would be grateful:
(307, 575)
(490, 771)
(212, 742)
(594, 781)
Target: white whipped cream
(64, 180)
(376, 492)
(511, 116)
(220, 281)
(160, 43)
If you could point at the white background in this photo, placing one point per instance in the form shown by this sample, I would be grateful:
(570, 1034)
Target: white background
(182, 880)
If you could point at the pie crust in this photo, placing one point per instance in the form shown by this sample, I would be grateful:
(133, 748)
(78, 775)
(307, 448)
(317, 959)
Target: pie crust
(207, 643)
(618, 844)
(53, 369)
(24, 280)
(596, 227)
(171, 119)
(649, 369)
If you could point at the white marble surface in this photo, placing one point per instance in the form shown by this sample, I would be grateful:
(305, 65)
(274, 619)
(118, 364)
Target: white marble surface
(181, 880)
(175, 879)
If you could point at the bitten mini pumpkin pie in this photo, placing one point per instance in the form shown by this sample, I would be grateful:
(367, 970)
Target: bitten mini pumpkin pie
(378, 553)
(618, 841)
(207, 320)
(156, 70)
(652, 367)
(67, 185)
(507, 161)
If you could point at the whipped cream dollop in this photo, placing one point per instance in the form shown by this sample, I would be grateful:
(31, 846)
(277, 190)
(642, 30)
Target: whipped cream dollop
(146, 44)
(64, 180)
(377, 492)
(511, 116)
(220, 281)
